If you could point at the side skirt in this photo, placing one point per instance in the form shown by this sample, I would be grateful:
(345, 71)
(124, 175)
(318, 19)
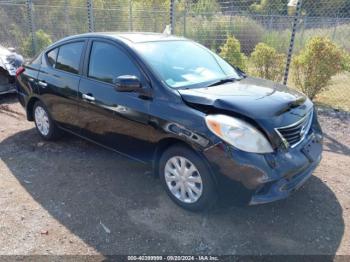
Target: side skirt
(106, 147)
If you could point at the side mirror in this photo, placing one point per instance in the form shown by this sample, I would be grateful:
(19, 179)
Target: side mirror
(127, 83)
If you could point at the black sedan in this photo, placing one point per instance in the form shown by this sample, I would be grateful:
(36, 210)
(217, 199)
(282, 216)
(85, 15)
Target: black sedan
(173, 104)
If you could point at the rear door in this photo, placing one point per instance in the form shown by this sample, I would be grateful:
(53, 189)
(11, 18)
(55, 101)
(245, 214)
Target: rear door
(58, 82)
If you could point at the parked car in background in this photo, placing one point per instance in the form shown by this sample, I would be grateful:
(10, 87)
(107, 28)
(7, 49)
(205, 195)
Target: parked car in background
(10, 61)
(175, 105)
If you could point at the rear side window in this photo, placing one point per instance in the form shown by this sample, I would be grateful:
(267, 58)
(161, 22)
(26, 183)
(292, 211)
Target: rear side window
(51, 57)
(68, 58)
(107, 62)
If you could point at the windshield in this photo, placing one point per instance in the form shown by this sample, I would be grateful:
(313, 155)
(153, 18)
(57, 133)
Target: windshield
(185, 63)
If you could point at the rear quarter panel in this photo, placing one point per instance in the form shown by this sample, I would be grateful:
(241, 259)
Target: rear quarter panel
(26, 83)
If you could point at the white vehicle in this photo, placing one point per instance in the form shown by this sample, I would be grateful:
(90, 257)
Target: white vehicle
(9, 62)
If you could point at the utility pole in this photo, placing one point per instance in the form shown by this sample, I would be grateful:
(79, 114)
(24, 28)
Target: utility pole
(292, 3)
(90, 13)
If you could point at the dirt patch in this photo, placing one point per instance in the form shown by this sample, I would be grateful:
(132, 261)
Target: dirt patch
(72, 197)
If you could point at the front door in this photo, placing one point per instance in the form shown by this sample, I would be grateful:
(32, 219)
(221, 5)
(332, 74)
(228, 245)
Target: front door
(118, 120)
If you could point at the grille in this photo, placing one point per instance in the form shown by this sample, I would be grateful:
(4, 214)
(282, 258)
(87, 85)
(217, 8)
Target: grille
(294, 134)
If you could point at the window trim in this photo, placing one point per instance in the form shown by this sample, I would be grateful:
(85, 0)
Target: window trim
(145, 79)
(47, 57)
(82, 56)
(119, 49)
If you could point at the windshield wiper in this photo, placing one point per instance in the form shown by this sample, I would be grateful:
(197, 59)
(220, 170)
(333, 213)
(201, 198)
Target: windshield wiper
(223, 81)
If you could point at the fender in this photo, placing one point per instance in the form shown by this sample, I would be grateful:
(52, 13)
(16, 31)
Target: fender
(29, 104)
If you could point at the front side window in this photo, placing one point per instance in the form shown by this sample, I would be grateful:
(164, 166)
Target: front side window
(107, 62)
(68, 58)
(185, 63)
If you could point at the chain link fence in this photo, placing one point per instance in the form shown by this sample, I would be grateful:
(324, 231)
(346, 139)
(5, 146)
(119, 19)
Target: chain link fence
(286, 26)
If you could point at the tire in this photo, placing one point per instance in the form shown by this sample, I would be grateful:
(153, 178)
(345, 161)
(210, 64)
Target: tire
(196, 179)
(44, 124)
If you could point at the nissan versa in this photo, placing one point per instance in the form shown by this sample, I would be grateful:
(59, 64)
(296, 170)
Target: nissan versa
(177, 106)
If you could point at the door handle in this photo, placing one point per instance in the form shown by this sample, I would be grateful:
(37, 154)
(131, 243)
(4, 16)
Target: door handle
(88, 97)
(42, 83)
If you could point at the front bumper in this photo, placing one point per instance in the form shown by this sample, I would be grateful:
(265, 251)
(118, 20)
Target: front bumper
(268, 177)
(282, 188)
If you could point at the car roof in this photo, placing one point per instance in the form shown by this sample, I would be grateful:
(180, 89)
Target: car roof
(129, 37)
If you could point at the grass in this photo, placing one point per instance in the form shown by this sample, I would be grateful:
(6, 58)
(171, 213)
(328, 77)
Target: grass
(337, 95)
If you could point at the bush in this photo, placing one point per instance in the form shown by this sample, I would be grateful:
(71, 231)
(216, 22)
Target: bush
(207, 8)
(143, 18)
(267, 62)
(248, 32)
(199, 28)
(345, 63)
(231, 52)
(339, 35)
(42, 40)
(316, 64)
(212, 32)
(279, 40)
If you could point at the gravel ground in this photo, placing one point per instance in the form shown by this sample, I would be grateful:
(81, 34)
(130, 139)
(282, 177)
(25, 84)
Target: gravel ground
(72, 197)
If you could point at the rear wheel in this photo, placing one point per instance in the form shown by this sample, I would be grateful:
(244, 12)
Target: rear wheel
(187, 179)
(44, 124)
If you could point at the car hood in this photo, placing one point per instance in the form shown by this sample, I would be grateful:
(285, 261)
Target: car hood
(253, 97)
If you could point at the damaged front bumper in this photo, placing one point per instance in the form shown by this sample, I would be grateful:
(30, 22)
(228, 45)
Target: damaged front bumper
(282, 188)
(268, 177)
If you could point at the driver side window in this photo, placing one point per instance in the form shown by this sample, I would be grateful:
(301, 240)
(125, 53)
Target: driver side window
(107, 62)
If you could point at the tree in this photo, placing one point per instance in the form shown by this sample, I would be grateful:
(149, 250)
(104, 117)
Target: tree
(231, 52)
(42, 40)
(340, 8)
(332, 8)
(268, 7)
(205, 7)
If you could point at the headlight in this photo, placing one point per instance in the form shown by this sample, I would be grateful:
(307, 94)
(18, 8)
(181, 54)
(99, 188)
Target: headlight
(238, 133)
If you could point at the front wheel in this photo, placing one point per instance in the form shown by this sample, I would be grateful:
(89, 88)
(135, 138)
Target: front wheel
(187, 179)
(44, 124)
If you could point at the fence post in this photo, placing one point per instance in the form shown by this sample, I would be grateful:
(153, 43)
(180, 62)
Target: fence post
(303, 30)
(271, 23)
(335, 27)
(172, 18)
(30, 17)
(90, 13)
(130, 16)
(292, 39)
(185, 21)
(67, 19)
